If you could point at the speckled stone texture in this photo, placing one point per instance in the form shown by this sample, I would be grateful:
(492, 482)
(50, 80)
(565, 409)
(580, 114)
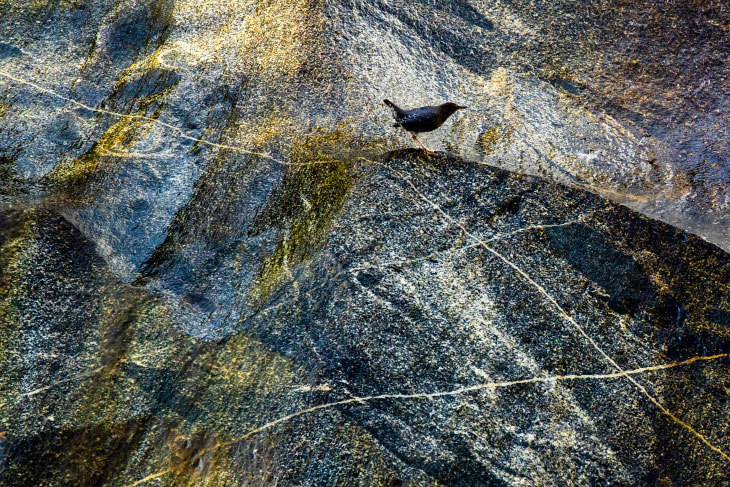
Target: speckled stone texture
(220, 265)
(105, 386)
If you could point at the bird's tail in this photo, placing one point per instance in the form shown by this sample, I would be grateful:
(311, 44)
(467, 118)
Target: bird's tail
(398, 110)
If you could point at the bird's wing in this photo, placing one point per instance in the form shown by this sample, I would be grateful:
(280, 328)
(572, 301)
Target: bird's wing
(409, 118)
(416, 115)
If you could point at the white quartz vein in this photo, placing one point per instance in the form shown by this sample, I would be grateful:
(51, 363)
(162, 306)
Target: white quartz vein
(180, 133)
(478, 242)
(561, 312)
(425, 395)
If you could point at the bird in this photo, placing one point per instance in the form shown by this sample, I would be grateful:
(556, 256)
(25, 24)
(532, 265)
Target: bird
(423, 119)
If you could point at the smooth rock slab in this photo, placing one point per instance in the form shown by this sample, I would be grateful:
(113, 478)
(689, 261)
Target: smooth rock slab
(385, 356)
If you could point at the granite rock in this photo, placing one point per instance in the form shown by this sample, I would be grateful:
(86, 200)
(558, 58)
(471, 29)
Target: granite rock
(219, 264)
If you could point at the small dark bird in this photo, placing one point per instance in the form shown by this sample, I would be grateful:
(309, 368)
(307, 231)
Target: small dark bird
(424, 119)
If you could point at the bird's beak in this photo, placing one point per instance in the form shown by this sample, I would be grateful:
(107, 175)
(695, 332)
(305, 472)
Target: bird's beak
(459, 107)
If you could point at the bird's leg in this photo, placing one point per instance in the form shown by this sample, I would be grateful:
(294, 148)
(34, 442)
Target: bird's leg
(419, 142)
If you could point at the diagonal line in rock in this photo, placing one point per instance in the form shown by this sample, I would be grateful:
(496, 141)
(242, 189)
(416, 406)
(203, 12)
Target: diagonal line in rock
(562, 313)
(426, 395)
(620, 372)
(180, 132)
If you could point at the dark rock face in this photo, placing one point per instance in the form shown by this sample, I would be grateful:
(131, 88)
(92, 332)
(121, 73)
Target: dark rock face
(396, 301)
(219, 267)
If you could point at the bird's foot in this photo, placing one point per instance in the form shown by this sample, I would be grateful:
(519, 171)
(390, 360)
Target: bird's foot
(421, 144)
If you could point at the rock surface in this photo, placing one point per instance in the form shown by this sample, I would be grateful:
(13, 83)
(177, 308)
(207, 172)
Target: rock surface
(218, 268)
(107, 383)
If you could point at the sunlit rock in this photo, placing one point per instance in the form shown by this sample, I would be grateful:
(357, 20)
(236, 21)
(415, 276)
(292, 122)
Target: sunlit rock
(221, 265)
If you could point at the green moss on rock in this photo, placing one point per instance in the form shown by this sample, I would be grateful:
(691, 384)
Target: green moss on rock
(313, 192)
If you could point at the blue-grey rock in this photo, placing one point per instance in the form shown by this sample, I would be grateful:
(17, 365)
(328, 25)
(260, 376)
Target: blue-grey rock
(220, 265)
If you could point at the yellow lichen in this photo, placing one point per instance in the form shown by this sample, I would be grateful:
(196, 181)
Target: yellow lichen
(15, 256)
(308, 200)
(490, 139)
(115, 140)
(276, 33)
(274, 126)
(267, 36)
(116, 137)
